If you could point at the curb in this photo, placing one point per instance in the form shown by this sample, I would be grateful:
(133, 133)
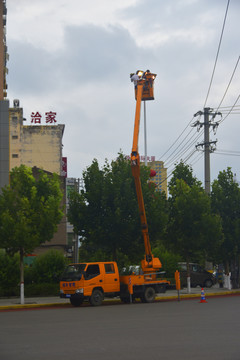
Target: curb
(159, 298)
(192, 296)
(31, 306)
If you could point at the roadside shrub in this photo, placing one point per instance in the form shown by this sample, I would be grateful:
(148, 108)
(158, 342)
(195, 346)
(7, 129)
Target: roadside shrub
(10, 291)
(9, 270)
(168, 259)
(43, 289)
(31, 290)
(48, 267)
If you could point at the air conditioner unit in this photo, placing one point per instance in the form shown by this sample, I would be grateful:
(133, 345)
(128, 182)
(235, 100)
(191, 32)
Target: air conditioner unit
(16, 103)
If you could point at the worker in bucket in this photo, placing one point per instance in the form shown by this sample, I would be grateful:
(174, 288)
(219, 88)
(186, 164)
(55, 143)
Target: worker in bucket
(135, 78)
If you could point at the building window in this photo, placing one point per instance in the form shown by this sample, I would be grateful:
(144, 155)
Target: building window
(14, 156)
(14, 137)
(14, 118)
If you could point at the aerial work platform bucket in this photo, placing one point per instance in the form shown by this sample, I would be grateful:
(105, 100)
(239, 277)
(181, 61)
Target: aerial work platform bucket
(147, 80)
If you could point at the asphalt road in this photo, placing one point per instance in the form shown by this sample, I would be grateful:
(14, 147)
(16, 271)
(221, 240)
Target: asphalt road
(166, 330)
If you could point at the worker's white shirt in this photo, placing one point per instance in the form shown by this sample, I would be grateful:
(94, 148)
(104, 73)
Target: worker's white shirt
(135, 79)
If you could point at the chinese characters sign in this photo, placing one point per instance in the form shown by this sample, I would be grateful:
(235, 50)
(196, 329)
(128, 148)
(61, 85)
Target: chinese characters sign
(152, 158)
(50, 117)
(142, 158)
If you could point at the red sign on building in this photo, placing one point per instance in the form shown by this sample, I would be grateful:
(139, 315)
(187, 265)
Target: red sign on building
(50, 117)
(36, 117)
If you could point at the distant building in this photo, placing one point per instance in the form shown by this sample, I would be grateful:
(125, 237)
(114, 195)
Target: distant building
(4, 143)
(161, 172)
(34, 145)
(39, 147)
(4, 104)
(161, 175)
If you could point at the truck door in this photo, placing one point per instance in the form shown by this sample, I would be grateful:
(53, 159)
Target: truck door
(92, 278)
(111, 278)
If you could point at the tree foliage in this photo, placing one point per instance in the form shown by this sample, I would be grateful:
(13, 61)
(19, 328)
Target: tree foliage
(29, 213)
(193, 230)
(169, 259)
(29, 210)
(9, 270)
(226, 202)
(184, 172)
(48, 267)
(105, 214)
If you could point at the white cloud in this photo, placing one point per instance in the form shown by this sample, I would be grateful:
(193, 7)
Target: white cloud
(75, 57)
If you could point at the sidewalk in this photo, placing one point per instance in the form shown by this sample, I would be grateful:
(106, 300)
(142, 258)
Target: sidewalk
(36, 302)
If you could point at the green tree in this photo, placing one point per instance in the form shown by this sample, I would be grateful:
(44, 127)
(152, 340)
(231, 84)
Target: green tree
(105, 214)
(169, 259)
(48, 267)
(29, 213)
(9, 272)
(193, 230)
(225, 197)
(184, 172)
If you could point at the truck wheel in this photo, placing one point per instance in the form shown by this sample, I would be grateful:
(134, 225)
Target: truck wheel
(208, 283)
(125, 300)
(149, 295)
(76, 302)
(96, 298)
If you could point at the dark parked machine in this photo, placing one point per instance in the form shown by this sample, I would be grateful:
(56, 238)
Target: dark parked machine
(198, 275)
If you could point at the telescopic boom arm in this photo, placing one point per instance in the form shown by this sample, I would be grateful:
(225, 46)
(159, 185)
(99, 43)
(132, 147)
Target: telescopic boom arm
(143, 91)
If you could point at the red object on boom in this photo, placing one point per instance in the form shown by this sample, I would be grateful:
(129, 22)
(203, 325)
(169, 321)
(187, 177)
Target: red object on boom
(152, 173)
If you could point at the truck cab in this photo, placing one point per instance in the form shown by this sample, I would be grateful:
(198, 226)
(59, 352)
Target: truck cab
(89, 281)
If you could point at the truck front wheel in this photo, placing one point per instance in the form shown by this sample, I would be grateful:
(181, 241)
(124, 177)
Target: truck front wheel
(76, 301)
(96, 298)
(148, 295)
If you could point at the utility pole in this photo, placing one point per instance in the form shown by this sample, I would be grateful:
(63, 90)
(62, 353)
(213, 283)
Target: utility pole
(207, 145)
(75, 241)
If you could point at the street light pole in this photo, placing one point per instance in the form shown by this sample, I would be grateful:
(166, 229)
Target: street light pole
(145, 133)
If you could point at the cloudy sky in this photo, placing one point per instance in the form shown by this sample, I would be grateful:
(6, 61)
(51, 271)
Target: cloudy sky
(74, 57)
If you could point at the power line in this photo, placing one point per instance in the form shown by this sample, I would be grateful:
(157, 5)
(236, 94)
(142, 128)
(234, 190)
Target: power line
(232, 113)
(219, 45)
(231, 109)
(197, 159)
(226, 107)
(189, 156)
(230, 151)
(179, 155)
(225, 153)
(173, 158)
(178, 146)
(229, 83)
(176, 140)
(182, 151)
(185, 148)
